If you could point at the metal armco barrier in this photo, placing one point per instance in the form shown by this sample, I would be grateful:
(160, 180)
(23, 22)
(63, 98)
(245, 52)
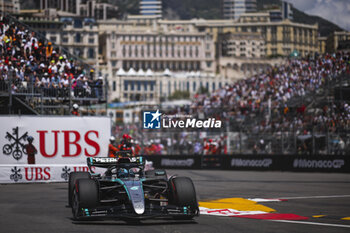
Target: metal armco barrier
(254, 162)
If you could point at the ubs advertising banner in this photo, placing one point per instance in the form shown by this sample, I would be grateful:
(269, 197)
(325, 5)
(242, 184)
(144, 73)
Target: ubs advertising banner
(57, 140)
(38, 173)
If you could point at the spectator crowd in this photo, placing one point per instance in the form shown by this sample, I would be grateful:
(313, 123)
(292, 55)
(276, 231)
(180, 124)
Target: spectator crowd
(296, 98)
(30, 63)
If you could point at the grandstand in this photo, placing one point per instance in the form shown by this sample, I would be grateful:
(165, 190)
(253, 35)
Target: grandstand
(301, 107)
(37, 77)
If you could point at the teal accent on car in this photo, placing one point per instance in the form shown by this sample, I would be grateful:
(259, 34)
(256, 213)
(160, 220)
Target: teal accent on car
(122, 183)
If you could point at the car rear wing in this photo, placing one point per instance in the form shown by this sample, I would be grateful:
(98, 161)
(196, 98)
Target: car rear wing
(106, 162)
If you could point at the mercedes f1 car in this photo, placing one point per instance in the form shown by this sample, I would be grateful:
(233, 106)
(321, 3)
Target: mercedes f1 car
(126, 191)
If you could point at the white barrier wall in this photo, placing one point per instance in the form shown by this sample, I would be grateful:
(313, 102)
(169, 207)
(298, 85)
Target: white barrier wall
(38, 173)
(61, 142)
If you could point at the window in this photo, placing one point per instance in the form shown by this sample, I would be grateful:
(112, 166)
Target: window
(138, 85)
(114, 86)
(169, 88)
(53, 38)
(91, 53)
(126, 86)
(78, 52)
(114, 63)
(78, 23)
(113, 45)
(91, 40)
(77, 38)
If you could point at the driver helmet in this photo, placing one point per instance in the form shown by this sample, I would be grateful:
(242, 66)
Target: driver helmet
(30, 139)
(75, 106)
(122, 173)
(112, 139)
(125, 136)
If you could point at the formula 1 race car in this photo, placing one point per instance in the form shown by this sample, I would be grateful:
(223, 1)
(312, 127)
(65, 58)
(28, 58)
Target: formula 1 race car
(126, 191)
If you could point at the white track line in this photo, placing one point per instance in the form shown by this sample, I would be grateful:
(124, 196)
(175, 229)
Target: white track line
(311, 197)
(312, 223)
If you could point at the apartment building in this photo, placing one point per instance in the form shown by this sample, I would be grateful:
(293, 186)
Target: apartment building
(232, 9)
(151, 7)
(281, 37)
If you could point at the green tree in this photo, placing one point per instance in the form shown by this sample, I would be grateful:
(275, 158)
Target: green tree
(179, 95)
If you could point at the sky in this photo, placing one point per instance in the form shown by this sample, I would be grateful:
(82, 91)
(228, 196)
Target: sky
(336, 11)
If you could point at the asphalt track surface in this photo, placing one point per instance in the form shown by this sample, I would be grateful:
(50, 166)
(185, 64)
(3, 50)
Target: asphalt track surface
(36, 208)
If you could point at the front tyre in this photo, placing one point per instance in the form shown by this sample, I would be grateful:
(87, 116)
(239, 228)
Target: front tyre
(183, 194)
(85, 196)
(73, 176)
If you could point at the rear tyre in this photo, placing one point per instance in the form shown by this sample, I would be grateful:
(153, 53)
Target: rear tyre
(73, 176)
(84, 196)
(157, 173)
(183, 194)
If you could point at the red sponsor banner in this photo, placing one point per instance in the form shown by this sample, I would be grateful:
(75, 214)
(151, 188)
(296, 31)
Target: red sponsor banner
(57, 140)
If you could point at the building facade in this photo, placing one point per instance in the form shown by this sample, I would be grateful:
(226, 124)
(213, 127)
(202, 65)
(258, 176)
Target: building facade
(153, 86)
(158, 51)
(322, 44)
(71, 6)
(79, 36)
(10, 6)
(281, 37)
(87, 8)
(232, 9)
(75, 35)
(151, 7)
(249, 45)
(335, 39)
